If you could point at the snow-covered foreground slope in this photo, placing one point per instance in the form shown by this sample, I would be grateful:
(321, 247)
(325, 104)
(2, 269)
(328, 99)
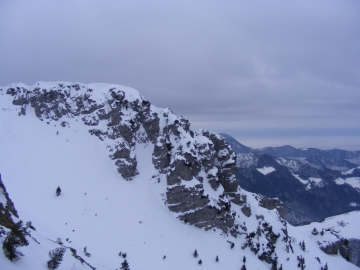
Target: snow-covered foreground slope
(100, 210)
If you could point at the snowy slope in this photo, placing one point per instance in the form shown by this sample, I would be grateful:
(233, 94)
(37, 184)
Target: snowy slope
(99, 209)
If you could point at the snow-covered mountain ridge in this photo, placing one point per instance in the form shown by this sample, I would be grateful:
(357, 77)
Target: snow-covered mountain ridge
(310, 191)
(124, 121)
(93, 137)
(329, 157)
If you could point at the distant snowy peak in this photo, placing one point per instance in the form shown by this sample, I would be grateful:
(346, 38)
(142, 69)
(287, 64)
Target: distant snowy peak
(335, 159)
(235, 145)
(288, 151)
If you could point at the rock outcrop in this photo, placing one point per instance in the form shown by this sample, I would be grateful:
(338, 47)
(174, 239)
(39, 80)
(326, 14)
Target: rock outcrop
(199, 167)
(349, 249)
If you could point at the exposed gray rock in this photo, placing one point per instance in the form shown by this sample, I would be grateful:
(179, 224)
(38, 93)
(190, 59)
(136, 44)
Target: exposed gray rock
(207, 219)
(180, 169)
(246, 210)
(354, 254)
(150, 122)
(272, 203)
(212, 156)
(20, 98)
(226, 161)
(349, 249)
(93, 119)
(121, 151)
(162, 153)
(181, 199)
(68, 101)
(98, 133)
(213, 183)
(238, 199)
(115, 114)
(127, 167)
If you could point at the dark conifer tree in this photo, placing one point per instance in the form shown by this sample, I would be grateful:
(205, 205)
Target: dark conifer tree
(195, 253)
(125, 265)
(20, 232)
(314, 231)
(30, 225)
(58, 191)
(302, 245)
(274, 265)
(217, 258)
(56, 257)
(200, 261)
(15, 238)
(10, 244)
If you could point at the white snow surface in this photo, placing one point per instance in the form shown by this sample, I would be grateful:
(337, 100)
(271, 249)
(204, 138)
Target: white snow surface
(349, 171)
(316, 181)
(100, 210)
(266, 170)
(2, 198)
(300, 179)
(339, 181)
(312, 181)
(344, 225)
(352, 181)
(354, 204)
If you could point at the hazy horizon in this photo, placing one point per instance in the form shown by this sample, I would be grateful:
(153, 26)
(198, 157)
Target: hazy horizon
(266, 73)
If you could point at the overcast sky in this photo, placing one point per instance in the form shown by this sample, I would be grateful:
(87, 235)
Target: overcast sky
(268, 73)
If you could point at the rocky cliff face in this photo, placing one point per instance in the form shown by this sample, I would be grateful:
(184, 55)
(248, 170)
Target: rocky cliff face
(349, 249)
(199, 166)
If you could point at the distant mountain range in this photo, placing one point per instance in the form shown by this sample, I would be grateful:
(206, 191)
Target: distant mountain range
(335, 159)
(235, 145)
(312, 183)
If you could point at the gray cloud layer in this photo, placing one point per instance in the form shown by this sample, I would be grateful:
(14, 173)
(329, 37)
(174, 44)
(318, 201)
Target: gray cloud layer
(266, 72)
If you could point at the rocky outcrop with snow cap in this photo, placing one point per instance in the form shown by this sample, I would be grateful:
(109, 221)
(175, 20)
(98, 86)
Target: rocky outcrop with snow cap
(199, 166)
